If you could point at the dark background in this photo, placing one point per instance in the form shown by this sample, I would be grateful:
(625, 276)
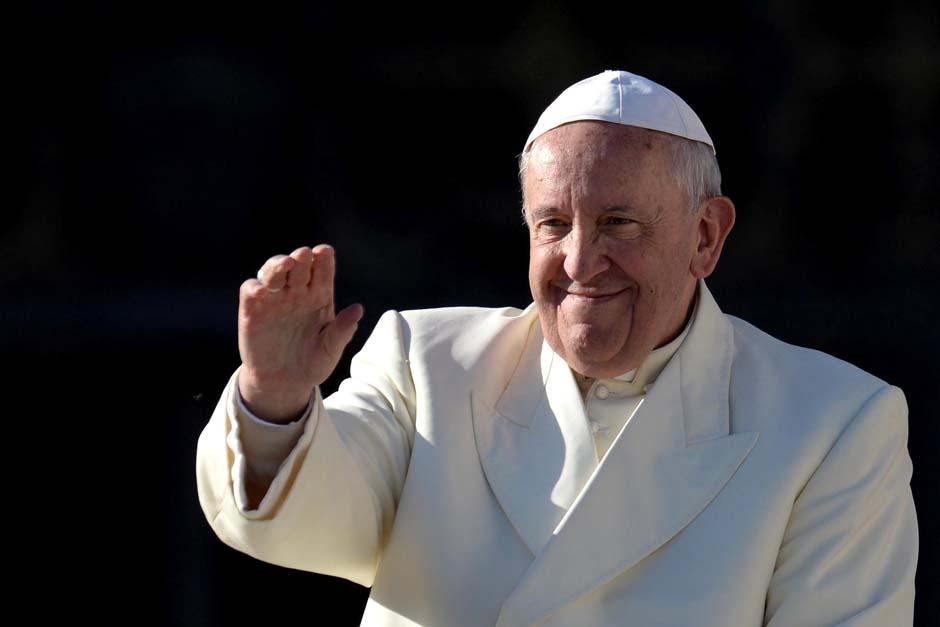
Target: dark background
(170, 149)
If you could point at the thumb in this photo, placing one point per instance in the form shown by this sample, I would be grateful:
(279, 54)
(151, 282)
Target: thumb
(338, 333)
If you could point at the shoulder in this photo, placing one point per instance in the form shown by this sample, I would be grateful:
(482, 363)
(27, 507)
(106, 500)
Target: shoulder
(464, 333)
(820, 418)
(458, 320)
(798, 389)
(756, 349)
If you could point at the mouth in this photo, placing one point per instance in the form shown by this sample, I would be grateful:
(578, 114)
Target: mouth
(589, 296)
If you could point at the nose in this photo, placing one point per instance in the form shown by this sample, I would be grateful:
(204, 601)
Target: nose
(585, 257)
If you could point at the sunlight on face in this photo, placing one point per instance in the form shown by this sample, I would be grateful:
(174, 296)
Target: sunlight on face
(610, 244)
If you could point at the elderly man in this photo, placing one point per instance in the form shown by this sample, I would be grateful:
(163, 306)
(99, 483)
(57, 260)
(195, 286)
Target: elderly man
(620, 452)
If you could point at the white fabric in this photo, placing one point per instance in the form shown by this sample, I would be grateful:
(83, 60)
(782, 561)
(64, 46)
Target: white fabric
(609, 404)
(455, 473)
(264, 445)
(622, 98)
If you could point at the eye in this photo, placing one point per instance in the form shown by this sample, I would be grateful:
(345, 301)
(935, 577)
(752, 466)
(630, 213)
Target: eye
(551, 221)
(618, 221)
(619, 226)
(551, 228)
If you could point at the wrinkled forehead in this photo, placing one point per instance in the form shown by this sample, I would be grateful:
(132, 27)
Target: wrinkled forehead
(600, 137)
(599, 163)
(598, 145)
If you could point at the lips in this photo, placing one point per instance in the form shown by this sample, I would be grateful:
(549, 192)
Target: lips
(590, 297)
(592, 294)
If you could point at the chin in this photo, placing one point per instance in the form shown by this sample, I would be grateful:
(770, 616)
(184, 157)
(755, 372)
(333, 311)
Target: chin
(591, 349)
(597, 361)
(597, 370)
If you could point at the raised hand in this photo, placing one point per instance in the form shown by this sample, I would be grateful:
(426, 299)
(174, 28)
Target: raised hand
(289, 336)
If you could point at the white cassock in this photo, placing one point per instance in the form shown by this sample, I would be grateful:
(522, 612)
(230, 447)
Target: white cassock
(456, 473)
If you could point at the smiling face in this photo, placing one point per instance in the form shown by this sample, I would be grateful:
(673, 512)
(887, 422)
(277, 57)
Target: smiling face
(612, 244)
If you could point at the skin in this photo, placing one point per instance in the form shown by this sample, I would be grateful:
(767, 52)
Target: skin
(614, 249)
(289, 336)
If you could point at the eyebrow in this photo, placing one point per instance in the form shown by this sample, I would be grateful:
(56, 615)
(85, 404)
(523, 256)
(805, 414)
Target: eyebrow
(622, 209)
(544, 212)
(538, 214)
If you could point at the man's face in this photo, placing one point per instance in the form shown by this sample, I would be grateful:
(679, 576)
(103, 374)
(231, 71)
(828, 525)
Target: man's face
(611, 238)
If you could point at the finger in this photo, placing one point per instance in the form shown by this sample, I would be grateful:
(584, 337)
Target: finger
(299, 275)
(324, 268)
(252, 297)
(248, 291)
(273, 274)
(338, 333)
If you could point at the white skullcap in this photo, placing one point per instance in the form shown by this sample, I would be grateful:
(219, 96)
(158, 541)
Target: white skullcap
(622, 98)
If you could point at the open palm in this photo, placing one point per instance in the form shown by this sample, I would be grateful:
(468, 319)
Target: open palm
(289, 336)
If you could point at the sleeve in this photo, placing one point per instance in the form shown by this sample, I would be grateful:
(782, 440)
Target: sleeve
(333, 498)
(265, 445)
(849, 553)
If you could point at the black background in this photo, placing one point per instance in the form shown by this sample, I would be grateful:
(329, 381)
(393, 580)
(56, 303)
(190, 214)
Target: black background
(170, 149)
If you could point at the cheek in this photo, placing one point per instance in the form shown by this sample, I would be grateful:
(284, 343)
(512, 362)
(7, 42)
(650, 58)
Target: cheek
(542, 266)
(534, 275)
(633, 260)
(664, 288)
(538, 281)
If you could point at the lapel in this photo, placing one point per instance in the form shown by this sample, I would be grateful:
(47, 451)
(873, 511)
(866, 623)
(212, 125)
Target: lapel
(585, 522)
(534, 442)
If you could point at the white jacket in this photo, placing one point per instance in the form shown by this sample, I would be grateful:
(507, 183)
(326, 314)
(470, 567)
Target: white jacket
(454, 472)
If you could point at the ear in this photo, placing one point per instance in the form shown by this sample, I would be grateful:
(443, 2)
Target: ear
(715, 219)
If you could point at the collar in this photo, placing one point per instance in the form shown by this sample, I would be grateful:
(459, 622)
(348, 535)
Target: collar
(674, 455)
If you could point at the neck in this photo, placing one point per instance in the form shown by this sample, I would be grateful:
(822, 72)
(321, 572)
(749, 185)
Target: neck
(584, 383)
(683, 322)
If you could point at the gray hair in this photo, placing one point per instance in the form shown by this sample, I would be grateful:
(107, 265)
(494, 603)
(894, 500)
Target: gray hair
(694, 168)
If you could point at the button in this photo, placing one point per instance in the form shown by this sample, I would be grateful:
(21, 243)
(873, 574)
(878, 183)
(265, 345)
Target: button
(601, 392)
(597, 427)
